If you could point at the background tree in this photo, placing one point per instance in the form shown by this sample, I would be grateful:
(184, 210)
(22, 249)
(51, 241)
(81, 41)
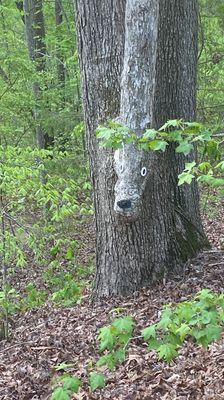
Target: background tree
(168, 231)
(60, 60)
(35, 33)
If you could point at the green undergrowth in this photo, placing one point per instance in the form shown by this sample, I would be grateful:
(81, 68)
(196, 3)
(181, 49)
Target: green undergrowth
(64, 288)
(200, 320)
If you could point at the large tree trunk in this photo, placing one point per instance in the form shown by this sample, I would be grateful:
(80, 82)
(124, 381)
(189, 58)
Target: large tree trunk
(175, 91)
(140, 240)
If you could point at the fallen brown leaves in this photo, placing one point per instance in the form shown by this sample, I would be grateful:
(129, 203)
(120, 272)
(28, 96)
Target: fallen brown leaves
(46, 337)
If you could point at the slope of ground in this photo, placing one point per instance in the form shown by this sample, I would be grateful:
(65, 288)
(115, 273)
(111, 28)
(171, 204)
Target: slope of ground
(46, 337)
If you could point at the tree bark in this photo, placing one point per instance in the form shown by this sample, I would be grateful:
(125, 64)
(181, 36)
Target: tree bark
(135, 249)
(35, 34)
(175, 91)
(60, 61)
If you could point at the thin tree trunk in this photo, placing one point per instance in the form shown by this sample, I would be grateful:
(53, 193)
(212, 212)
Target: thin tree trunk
(152, 235)
(60, 61)
(35, 33)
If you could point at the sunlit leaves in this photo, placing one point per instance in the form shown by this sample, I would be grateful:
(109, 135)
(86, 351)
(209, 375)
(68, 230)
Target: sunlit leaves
(185, 135)
(201, 318)
(69, 385)
(114, 338)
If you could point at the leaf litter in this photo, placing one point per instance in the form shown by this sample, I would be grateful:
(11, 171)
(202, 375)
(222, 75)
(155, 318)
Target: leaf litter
(47, 337)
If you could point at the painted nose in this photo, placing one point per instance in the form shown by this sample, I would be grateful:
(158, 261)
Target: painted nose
(124, 204)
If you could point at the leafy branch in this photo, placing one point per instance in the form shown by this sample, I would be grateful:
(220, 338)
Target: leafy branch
(186, 136)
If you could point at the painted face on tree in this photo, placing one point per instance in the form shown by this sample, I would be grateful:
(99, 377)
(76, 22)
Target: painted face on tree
(132, 169)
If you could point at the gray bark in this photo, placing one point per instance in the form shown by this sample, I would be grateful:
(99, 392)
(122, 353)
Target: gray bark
(133, 252)
(35, 34)
(137, 90)
(60, 61)
(175, 91)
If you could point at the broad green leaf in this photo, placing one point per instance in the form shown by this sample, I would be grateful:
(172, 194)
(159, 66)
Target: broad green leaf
(124, 325)
(60, 394)
(150, 134)
(183, 331)
(97, 381)
(192, 127)
(184, 147)
(185, 177)
(167, 351)
(175, 136)
(71, 383)
(158, 145)
(106, 338)
(190, 166)
(166, 318)
(205, 294)
(213, 332)
(154, 344)
(185, 311)
(119, 355)
(207, 179)
(107, 359)
(149, 332)
(217, 182)
(171, 123)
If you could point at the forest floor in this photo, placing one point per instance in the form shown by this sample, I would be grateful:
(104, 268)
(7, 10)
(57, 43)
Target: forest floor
(45, 337)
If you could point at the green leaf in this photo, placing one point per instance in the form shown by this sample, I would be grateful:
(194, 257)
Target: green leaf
(150, 134)
(185, 177)
(71, 383)
(175, 136)
(184, 147)
(185, 311)
(158, 145)
(213, 332)
(119, 355)
(97, 381)
(54, 250)
(106, 338)
(108, 360)
(154, 344)
(63, 366)
(167, 351)
(195, 127)
(60, 394)
(220, 166)
(183, 331)
(149, 332)
(124, 325)
(103, 132)
(112, 359)
(204, 166)
(205, 294)
(171, 123)
(69, 254)
(166, 318)
(190, 166)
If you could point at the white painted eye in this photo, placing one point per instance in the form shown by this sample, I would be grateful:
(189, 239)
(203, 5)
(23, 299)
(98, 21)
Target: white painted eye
(121, 168)
(143, 171)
